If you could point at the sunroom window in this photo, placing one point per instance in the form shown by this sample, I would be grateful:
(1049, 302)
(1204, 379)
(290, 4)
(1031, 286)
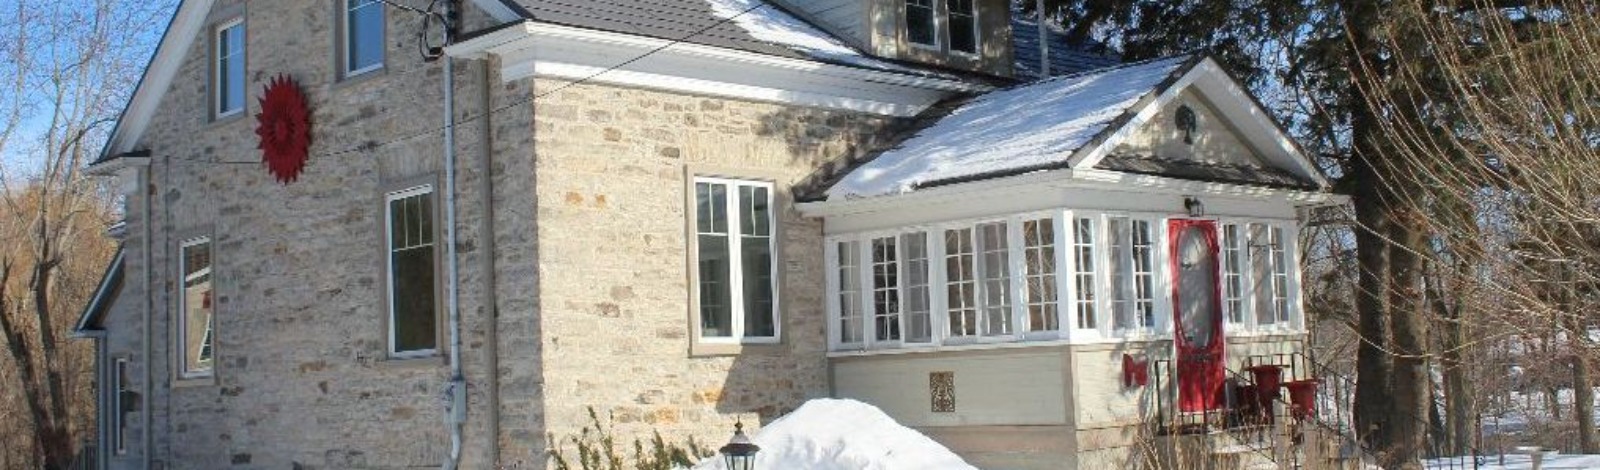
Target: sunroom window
(961, 282)
(995, 271)
(1132, 274)
(1043, 279)
(1233, 263)
(1084, 301)
(1039, 253)
(849, 289)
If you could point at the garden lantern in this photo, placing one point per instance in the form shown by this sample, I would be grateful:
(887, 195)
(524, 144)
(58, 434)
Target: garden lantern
(740, 453)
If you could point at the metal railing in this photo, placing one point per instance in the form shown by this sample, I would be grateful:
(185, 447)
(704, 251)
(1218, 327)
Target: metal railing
(1334, 410)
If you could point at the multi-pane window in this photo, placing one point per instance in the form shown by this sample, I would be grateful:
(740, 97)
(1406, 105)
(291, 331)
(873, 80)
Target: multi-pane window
(918, 309)
(1083, 303)
(963, 26)
(850, 311)
(1003, 280)
(961, 283)
(1039, 255)
(228, 68)
(194, 307)
(1233, 253)
(363, 36)
(734, 234)
(1132, 274)
(411, 263)
(885, 290)
(995, 271)
(920, 27)
(1280, 274)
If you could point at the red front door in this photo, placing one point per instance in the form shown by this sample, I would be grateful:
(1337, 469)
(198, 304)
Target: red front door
(1197, 313)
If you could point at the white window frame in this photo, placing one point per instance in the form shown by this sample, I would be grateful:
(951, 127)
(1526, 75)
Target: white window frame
(735, 262)
(184, 370)
(977, 30)
(1067, 269)
(345, 58)
(426, 190)
(1063, 323)
(219, 72)
(1295, 322)
(116, 434)
(1158, 244)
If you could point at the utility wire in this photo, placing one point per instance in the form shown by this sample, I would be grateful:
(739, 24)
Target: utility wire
(369, 146)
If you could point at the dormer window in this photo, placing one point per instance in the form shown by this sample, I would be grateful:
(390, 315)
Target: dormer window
(920, 27)
(963, 26)
(928, 22)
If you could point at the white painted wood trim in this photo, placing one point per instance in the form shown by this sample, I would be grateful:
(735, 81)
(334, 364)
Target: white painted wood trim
(563, 52)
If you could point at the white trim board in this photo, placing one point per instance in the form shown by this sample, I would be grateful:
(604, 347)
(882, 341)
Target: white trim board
(535, 49)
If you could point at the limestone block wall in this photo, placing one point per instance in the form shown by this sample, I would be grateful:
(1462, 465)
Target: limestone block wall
(301, 378)
(612, 171)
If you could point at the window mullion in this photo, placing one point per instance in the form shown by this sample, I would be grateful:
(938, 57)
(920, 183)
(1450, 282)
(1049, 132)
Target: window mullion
(938, 289)
(1017, 260)
(735, 262)
(869, 308)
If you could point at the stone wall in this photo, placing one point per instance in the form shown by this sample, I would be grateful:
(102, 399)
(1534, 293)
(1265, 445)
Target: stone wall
(301, 377)
(613, 166)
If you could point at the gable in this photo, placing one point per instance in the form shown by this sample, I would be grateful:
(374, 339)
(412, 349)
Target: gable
(1095, 120)
(1211, 140)
(187, 26)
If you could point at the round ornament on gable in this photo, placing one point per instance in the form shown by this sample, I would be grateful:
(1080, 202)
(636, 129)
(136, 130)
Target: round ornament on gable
(284, 127)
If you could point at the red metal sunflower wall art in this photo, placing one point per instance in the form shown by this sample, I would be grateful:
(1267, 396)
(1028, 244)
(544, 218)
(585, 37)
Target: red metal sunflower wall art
(284, 127)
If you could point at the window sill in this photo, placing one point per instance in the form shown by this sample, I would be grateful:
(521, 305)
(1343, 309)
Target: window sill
(195, 381)
(430, 361)
(229, 118)
(351, 79)
(715, 349)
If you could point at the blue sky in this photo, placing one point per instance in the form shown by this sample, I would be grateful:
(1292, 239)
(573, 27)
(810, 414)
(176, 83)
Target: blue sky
(51, 34)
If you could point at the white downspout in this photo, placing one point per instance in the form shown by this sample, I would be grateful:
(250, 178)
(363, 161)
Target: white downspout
(146, 177)
(455, 394)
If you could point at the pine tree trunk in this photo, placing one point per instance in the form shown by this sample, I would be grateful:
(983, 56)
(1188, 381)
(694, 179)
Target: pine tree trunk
(1373, 367)
(1408, 428)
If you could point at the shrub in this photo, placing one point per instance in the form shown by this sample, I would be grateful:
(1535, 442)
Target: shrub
(597, 450)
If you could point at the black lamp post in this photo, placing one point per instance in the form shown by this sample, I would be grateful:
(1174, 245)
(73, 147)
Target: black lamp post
(740, 453)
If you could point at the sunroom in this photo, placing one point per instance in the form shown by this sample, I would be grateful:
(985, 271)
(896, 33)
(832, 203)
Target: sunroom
(1050, 261)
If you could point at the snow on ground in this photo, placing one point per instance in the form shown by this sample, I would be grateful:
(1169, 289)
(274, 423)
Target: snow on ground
(1024, 127)
(833, 434)
(1521, 462)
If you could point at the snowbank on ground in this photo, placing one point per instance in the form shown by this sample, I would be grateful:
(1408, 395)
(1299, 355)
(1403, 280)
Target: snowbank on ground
(1518, 462)
(833, 434)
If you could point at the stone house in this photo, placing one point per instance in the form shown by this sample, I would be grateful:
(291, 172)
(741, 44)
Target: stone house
(679, 213)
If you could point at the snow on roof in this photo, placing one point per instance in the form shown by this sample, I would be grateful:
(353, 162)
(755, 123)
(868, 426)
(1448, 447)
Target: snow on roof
(835, 434)
(1030, 126)
(768, 23)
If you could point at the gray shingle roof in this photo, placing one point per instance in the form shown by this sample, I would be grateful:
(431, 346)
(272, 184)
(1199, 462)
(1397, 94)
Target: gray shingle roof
(1066, 58)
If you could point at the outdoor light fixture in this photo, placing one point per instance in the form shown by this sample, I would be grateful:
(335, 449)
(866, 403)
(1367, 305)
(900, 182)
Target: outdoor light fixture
(1194, 206)
(740, 453)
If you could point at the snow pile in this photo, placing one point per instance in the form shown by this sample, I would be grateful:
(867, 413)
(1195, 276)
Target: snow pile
(1026, 127)
(832, 434)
